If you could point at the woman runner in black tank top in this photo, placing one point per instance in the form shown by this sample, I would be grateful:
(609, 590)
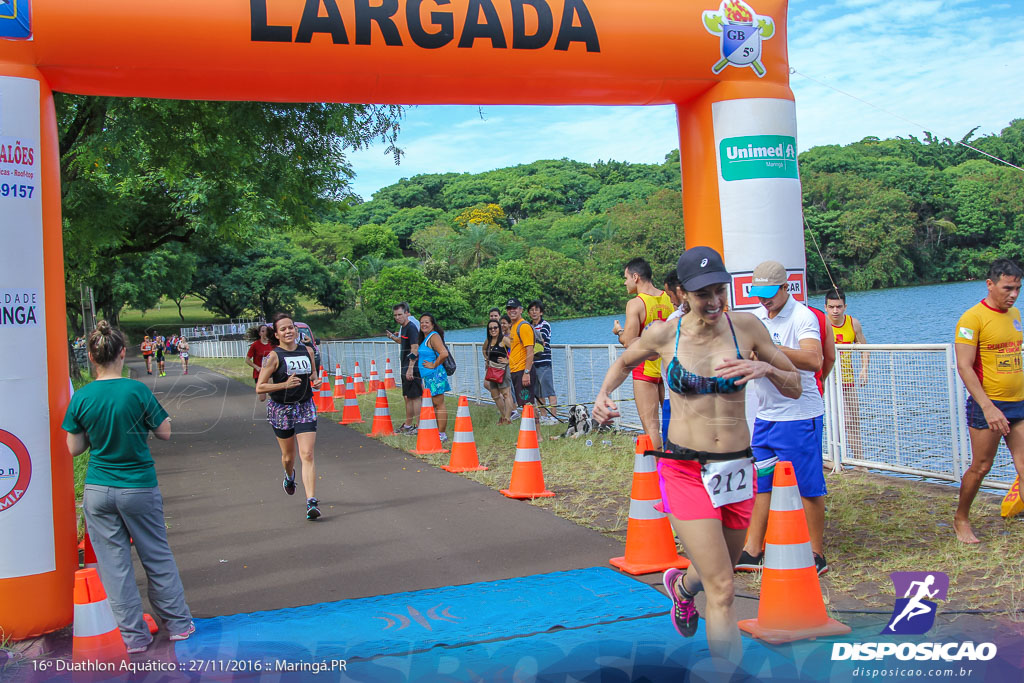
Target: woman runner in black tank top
(285, 377)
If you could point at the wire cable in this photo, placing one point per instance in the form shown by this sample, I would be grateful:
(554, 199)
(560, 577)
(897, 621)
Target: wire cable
(901, 118)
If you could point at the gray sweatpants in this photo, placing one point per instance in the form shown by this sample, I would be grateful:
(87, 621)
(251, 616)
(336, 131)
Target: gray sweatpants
(113, 515)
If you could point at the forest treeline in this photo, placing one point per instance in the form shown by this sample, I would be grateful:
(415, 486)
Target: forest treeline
(265, 223)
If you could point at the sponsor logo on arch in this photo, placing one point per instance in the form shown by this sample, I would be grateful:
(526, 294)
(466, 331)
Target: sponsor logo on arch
(15, 19)
(15, 470)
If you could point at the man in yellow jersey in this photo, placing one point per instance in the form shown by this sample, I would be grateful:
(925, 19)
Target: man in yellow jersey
(988, 358)
(847, 330)
(649, 305)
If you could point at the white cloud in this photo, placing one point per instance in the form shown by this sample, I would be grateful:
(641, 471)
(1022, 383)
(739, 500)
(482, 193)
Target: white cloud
(943, 66)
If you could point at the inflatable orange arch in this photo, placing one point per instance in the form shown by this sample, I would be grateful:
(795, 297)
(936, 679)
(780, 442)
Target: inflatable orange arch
(722, 63)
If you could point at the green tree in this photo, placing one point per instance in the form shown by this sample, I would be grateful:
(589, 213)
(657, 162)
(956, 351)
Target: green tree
(327, 242)
(271, 275)
(405, 222)
(397, 284)
(487, 287)
(376, 240)
(138, 174)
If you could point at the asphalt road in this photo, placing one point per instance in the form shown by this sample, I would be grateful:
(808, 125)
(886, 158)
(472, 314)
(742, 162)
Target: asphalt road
(391, 522)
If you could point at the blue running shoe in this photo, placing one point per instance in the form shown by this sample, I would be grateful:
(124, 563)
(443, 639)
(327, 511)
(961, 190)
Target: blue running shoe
(684, 611)
(289, 484)
(312, 508)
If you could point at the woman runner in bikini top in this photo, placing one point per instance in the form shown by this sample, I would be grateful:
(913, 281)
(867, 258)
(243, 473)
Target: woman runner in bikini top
(709, 357)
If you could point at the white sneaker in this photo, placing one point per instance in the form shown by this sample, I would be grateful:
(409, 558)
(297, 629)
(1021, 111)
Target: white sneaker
(514, 415)
(443, 436)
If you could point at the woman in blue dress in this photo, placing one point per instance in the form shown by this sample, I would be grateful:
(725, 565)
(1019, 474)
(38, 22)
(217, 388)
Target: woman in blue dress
(432, 354)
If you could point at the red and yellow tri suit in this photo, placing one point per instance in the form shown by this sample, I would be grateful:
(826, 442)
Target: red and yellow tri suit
(656, 308)
(844, 334)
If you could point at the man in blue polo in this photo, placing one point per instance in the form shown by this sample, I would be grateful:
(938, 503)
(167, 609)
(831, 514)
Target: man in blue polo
(785, 428)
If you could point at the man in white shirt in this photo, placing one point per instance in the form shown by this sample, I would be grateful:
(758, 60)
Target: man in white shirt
(785, 428)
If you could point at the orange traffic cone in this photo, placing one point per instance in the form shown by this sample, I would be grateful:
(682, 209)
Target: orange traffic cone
(96, 636)
(85, 547)
(382, 425)
(428, 440)
(389, 376)
(150, 624)
(88, 555)
(374, 381)
(325, 400)
(339, 382)
(791, 607)
(527, 475)
(464, 456)
(350, 413)
(650, 545)
(358, 379)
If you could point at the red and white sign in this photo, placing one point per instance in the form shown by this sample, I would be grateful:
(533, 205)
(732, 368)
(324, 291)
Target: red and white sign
(741, 285)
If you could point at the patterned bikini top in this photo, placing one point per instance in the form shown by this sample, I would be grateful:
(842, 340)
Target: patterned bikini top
(682, 381)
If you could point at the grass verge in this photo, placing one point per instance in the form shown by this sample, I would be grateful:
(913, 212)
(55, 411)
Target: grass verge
(874, 524)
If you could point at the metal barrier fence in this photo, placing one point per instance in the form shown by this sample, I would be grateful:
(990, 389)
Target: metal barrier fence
(903, 415)
(237, 326)
(899, 408)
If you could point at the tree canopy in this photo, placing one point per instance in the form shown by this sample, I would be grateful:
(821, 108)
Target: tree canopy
(247, 206)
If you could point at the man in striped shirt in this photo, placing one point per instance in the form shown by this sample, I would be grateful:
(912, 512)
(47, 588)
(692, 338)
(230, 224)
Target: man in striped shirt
(542, 370)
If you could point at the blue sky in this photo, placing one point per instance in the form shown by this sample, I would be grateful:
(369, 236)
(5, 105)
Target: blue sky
(940, 65)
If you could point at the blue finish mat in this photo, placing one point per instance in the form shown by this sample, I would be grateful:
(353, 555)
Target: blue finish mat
(401, 623)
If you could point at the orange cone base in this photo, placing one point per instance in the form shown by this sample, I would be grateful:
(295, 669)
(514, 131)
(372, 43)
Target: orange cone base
(775, 636)
(108, 647)
(449, 468)
(351, 421)
(382, 431)
(522, 496)
(430, 451)
(636, 568)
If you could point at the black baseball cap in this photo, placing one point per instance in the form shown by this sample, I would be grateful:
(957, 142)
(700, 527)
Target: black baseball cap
(513, 303)
(699, 267)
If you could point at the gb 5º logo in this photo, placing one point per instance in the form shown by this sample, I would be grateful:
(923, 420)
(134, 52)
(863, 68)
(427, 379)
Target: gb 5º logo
(741, 30)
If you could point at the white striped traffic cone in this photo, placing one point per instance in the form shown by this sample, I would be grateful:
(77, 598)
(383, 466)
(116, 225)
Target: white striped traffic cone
(790, 606)
(373, 376)
(96, 635)
(464, 456)
(350, 413)
(650, 545)
(428, 439)
(357, 379)
(382, 425)
(389, 376)
(339, 382)
(527, 475)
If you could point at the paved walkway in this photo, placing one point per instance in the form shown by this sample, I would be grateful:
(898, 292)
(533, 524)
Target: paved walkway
(391, 522)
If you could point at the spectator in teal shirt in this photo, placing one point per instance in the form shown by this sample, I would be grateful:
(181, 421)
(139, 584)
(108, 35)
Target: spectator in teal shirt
(113, 417)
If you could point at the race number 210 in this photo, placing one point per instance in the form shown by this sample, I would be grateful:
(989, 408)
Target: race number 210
(16, 191)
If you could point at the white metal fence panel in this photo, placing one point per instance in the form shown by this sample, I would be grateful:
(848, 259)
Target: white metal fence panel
(899, 408)
(905, 414)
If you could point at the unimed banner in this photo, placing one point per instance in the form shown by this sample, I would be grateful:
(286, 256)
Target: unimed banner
(759, 191)
(26, 506)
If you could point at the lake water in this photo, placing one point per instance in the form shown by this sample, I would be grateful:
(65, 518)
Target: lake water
(904, 315)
